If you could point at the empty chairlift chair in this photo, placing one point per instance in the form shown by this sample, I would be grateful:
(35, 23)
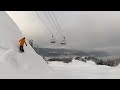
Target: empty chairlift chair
(63, 42)
(53, 40)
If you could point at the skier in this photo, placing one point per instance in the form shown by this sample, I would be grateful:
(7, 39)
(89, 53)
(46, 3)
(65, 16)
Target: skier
(22, 42)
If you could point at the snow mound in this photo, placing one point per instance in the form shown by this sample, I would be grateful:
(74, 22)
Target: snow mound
(14, 64)
(82, 70)
(74, 63)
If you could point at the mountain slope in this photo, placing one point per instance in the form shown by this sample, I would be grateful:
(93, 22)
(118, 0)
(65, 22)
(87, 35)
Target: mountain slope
(14, 64)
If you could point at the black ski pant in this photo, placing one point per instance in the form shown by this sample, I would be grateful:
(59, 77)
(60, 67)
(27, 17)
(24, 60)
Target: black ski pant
(21, 49)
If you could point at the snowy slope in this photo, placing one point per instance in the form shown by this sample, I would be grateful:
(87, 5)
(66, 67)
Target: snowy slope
(82, 70)
(14, 64)
(30, 65)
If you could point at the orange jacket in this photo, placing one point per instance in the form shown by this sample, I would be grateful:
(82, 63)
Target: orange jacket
(22, 42)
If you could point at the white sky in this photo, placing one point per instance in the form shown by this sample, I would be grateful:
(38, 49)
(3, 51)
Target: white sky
(94, 30)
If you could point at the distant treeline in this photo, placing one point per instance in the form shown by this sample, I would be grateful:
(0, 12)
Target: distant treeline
(108, 62)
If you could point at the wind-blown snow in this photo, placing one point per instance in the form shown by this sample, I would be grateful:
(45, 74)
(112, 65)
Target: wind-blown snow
(14, 64)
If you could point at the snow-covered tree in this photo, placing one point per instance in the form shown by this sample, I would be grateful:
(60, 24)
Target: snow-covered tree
(31, 42)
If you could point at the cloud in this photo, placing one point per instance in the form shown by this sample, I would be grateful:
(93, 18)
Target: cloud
(83, 29)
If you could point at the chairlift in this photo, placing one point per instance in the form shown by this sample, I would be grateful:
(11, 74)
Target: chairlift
(63, 42)
(53, 40)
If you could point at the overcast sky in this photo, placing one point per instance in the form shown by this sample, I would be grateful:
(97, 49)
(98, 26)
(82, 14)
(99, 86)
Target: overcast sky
(90, 30)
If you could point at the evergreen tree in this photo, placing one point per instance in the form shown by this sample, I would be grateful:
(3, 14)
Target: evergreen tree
(31, 43)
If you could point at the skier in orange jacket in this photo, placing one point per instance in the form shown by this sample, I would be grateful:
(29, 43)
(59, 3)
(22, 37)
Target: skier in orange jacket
(22, 42)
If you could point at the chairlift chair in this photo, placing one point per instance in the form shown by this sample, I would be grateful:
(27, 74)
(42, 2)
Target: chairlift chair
(63, 42)
(53, 40)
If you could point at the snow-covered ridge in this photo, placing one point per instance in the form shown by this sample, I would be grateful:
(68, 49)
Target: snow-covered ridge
(14, 64)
